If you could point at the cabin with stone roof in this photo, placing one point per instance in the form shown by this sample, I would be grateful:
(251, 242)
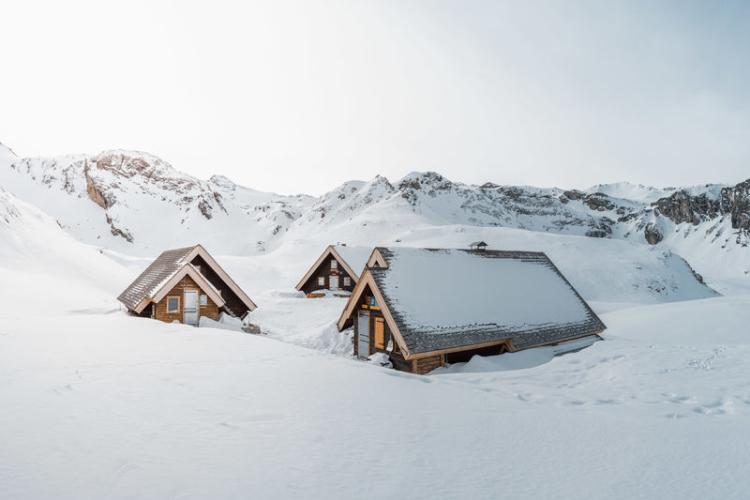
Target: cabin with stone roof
(425, 308)
(336, 270)
(184, 285)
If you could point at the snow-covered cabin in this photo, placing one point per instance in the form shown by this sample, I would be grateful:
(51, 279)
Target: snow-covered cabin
(337, 269)
(424, 308)
(184, 285)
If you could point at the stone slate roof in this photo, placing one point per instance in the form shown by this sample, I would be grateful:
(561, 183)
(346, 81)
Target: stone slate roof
(157, 273)
(420, 340)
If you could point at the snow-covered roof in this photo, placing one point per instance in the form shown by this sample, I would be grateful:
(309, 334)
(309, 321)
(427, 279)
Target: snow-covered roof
(355, 257)
(441, 298)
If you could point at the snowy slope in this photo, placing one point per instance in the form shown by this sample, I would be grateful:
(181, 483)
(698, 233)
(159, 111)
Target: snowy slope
(99, 406)
(39, 258)
(630, 191)
(138, 204)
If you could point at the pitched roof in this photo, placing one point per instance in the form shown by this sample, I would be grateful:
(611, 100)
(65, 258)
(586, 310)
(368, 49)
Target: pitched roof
(148, 283)
(170, 265)
(441, 299)
(353, 259)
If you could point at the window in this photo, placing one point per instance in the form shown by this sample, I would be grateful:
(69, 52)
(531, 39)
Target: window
(173, 304)
(379, 333)
(204, 299)
(321, 281)
(347, 281)
(334, 264)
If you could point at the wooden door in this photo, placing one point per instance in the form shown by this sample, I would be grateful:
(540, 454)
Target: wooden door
(363, 335)
(333, 282)
(190, 307)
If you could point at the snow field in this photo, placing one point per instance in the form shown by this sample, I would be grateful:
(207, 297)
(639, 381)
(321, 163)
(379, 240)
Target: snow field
(97, 404)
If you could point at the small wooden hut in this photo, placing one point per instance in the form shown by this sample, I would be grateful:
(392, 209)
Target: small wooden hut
(428, 307)
(337, 269)
(184, 285)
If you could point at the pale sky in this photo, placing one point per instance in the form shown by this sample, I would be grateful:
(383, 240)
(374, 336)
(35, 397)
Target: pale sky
(301, 96)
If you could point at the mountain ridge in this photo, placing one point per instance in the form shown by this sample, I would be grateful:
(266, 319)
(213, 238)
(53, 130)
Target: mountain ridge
(136, 202)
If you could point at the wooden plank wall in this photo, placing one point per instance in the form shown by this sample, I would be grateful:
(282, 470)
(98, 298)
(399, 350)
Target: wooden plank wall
(210, 310)
(324, 270)
(426, 365)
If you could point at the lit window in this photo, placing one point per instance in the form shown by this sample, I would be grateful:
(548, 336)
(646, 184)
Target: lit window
(173, 304)
(347, 281)
(321, 281)
(204, 300)
(334, 264)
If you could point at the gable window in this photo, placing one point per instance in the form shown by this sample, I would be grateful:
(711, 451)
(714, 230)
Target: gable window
(334, 264)
(321, 281)
(347, 281)
(173, 304)
(204, 299)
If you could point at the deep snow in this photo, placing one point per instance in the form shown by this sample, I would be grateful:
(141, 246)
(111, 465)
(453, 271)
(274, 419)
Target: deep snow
(96, 404)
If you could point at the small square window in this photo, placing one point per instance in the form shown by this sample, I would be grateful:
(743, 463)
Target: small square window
(321, 281)
(173, 304)
(347, 281)
(334, 264)
(204, 299)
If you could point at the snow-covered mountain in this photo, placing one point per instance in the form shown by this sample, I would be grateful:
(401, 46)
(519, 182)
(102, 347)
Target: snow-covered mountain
(137, 203)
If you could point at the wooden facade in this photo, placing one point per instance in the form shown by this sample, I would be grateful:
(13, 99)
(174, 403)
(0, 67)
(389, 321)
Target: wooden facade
(160, 310)
(330, 274)
(380, 336)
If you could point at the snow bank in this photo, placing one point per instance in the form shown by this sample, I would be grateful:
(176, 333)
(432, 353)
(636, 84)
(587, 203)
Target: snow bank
(112, 406)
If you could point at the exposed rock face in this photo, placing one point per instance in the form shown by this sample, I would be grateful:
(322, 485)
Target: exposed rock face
(682, 207)
(573, 194)
(116, 231)
(94, 194)
(599, 201)
(653, 234)
(736, 201)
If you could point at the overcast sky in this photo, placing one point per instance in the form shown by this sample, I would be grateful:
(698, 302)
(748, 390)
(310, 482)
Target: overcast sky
(301, 96)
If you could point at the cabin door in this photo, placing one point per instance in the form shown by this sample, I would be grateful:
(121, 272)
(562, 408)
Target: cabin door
(190, 308)
(363, 335)
(333, 282)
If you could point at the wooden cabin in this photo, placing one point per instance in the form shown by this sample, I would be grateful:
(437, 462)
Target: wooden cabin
(184, 285)
(337, 269)
(425, 308)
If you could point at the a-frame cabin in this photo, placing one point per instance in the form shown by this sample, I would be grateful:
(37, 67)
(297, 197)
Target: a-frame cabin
(337, 269)
(184, 285)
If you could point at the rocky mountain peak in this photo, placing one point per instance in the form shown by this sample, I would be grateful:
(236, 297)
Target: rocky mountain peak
(223, 182)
